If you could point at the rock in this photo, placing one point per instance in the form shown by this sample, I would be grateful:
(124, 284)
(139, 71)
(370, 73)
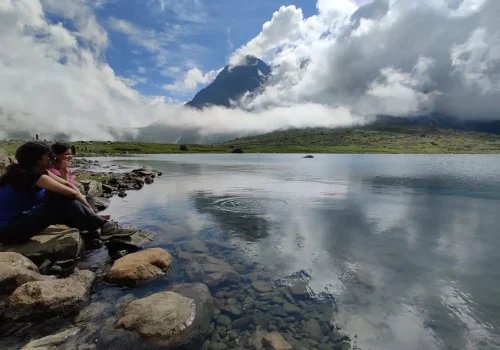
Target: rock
(256, 340)
(308, 156)
(275, 341)
(139, 267)
(195, 247)
(224, 320)
(108, 189)
(242, 323)
(5, 161)
(210, 270)
(122, 194)
(237, 150)
(16, 270)
(132, 244)
(52, 341)
(51, 297)
(17, 260)
(55, 243)
(232, 310)
(292, 309)
(170, 319)
(262, 286)
(101, 203)
(94, 188)
(313, 327)
(218, 346)
(148, 180)
(278, 310)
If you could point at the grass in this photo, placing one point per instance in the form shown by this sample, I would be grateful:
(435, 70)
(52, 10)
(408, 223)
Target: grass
(390, 138)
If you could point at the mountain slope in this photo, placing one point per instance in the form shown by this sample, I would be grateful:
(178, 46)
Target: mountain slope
(231, 83)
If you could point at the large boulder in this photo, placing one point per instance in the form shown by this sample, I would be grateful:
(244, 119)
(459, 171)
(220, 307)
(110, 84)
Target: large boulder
(16, 270)
(210, 271)
(55, 297)
(5, 161)
(55, 243)
(93, 188)
(177, 318)
(139, 267)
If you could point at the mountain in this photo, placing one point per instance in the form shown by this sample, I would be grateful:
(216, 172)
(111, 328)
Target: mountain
(231, 83)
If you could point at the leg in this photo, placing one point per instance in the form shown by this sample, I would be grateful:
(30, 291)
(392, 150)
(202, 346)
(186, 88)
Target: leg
(28, 224)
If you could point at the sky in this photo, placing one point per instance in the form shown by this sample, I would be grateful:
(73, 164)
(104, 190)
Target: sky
(80, 66)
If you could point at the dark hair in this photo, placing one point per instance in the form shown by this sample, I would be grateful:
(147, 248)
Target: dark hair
(59, 148)
(30, 153)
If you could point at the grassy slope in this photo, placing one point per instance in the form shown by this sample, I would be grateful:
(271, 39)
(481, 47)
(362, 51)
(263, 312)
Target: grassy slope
(391, 138)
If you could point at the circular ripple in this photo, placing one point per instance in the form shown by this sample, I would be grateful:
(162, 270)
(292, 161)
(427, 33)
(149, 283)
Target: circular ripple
(248, 205)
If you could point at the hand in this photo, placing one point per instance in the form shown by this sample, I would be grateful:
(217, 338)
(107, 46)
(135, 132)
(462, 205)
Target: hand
(82, 199)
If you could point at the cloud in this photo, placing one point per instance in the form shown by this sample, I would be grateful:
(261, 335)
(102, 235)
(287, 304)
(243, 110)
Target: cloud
(397, 57)
(341, 66)
(183, 10)
(192, 79)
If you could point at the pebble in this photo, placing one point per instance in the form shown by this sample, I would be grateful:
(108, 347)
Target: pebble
(224, 320)
(218, 346)
(262, 286)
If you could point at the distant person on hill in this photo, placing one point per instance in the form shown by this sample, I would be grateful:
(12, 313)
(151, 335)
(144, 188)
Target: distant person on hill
(32, 198)
(62, 166)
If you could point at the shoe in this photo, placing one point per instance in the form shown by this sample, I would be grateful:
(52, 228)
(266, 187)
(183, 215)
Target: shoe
(112, 229)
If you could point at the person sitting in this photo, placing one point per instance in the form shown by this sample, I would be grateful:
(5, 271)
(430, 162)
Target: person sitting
(62, 167)
(32, 198)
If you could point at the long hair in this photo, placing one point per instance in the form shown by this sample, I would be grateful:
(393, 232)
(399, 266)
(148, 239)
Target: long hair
(27, 156)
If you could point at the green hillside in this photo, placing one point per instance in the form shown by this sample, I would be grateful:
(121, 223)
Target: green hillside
(373, 139)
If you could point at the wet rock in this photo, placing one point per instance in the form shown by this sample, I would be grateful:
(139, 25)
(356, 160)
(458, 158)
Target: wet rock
(50, 297)
(108, 189)
(218, 346)
(16, 270)
(308, 157)
(256, 339)
(275, 341)
(278, 310)
(139, 267)
(262, 286)
(210, 270)
(122, 194)
(171, 319)
(242, 323)
(130, 244)
(300, 289)
(52, 341)
(195, 247)
(223, 320)
(55, 243)
(101, 203)
(232, 310)
(222, 331)
(292, 309)
(313, 327)
(149, 180)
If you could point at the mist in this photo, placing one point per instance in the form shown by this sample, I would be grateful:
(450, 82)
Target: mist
(342, 66)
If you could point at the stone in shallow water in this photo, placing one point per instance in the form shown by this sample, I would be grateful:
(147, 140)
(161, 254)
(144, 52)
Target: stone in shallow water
(232, 310)
(313, 327)
(224, 320)
(52, 341)
(262, 286)
(218, 346)
(51, 297)
(131, 244)
(171, 319)
(275, 341)
(292, 309)
(210, 270)
(195, 247)
(55, 243)
(139, 267)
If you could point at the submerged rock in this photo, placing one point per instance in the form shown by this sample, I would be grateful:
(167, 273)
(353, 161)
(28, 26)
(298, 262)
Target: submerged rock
(211, 271)
(52, 341)
(275, 341)
(177, 318)
(195, 247)
(130, 244)
(51, 297)
(139, 267)
(55, 243)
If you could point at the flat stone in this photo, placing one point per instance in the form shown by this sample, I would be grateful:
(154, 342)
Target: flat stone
(139, 267)
(262, 286)
(275, 341)
(218, 346)
(132, 243)
(52, 341)
(50, 297)
(177, 318)
(292, 309)
(55, 243)
(242, 323)
(278, 310)
(313, 327)
(195, 247)
(278, 300)
(224, 320)
(232, 310)
(210, 270)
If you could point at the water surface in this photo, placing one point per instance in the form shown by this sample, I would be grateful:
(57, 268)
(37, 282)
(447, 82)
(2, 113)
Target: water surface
(407, 245)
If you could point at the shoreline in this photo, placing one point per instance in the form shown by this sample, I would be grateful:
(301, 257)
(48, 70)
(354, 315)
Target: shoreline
(236, 304)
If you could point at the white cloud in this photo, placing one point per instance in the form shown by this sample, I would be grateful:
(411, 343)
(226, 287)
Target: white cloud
(398, 57)
(191, 80)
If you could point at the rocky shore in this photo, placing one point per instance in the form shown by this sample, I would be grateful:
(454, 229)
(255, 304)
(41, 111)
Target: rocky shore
(201, 294)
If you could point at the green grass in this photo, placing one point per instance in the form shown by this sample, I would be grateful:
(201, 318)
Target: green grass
(390, 138)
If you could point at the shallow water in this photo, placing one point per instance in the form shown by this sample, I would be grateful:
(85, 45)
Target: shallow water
(400, 251)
